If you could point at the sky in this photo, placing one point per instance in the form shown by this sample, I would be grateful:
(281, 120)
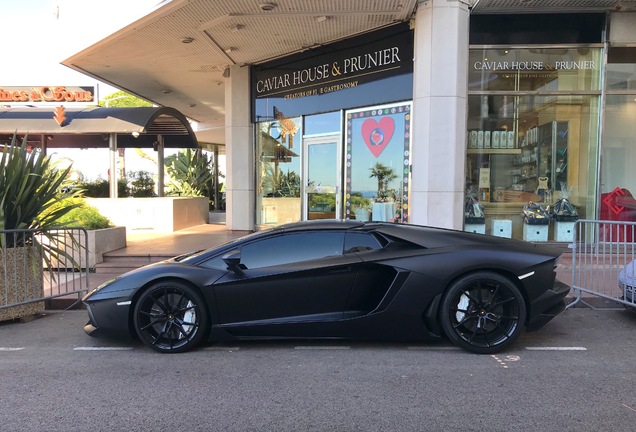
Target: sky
(39, 34)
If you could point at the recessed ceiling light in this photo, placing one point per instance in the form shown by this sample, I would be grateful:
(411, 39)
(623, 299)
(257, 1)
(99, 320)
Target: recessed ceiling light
(166, 91)
(322, 18)
(187, 40)
(267, 6)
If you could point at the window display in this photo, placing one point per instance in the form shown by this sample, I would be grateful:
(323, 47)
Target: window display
(278, 172)
(377, 163)
(532, 114)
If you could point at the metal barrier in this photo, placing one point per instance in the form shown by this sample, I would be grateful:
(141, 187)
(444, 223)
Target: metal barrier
(601, 255)
(37, 266)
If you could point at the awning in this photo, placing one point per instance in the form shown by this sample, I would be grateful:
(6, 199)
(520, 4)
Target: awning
(91, 127)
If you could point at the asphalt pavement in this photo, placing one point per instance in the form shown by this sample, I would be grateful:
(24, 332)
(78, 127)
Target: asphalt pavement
(575, 374)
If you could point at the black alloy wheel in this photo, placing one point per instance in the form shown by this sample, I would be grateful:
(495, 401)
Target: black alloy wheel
(483, 312)
(171, 317)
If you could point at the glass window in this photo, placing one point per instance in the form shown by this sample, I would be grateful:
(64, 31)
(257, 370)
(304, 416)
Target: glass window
(322, 123)
(292, 248)
(544, 151)
(618, 176)
(535, 69)
(215, 263)
(537, 147)
(278, 150)
(377, 163)
(621, 69)
(361, 242)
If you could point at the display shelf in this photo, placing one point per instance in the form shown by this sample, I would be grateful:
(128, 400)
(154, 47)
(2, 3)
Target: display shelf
(491, 151)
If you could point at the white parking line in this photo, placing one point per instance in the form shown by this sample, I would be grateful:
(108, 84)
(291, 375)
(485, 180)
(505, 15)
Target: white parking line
(322, 348)
(433, 348)
(8, 349)
(102, 348)
(221, 348)
(556, 348)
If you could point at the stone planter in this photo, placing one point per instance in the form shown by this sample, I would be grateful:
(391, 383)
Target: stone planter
(159, 214)
(104, 240)
(20, 281)
(98, 242)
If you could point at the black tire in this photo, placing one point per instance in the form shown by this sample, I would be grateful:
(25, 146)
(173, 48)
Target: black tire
(171, 317)
(483, 312)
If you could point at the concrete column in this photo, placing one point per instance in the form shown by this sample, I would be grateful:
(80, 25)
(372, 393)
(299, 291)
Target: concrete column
(161, 183)
(440, 80)
(239, 151)
(112, 172)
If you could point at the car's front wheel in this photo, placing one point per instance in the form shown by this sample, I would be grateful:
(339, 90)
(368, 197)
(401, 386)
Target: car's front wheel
(483, 312)
(171, 317)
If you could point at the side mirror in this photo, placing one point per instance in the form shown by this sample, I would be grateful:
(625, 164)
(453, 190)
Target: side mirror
(233, 261)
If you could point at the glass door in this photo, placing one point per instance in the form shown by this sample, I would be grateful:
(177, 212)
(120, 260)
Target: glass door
(321, 185)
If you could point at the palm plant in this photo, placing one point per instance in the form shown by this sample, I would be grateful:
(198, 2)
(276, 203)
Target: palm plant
(384, 175)
(29, 187)
(190, 174)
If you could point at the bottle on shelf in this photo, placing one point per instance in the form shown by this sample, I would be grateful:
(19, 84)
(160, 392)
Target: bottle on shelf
(484, 194)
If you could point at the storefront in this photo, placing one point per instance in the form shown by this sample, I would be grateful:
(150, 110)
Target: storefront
(480, 116)
(617, 184)
(533, 123)
(333, 131)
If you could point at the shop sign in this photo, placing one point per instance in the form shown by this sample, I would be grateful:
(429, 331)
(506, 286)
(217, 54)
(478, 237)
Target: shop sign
(534, 65)
(55, 94)
(335, 67)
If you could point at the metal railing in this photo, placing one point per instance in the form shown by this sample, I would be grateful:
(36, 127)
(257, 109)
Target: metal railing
(601, 255)
(38, 266)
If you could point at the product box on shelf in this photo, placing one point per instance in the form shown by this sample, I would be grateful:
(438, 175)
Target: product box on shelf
(511, 139)
(480, 139)
(472, 141)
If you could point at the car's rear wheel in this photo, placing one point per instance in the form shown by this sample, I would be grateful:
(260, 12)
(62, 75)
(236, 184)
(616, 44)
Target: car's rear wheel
(483, 312)
(171, 317)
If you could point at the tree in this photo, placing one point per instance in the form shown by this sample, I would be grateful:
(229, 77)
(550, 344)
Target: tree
(384, 175)
(121, 99)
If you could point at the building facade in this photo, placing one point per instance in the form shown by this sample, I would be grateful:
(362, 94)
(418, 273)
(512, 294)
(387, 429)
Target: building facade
(476, 121)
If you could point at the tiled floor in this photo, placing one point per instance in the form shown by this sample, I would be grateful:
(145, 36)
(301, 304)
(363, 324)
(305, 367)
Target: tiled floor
(178, 242)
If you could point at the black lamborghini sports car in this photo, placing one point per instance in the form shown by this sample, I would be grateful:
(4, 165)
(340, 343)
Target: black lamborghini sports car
(338, 279)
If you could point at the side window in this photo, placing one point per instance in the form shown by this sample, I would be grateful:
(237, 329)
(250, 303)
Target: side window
(215, 263)
(361, 242)
(291, 248)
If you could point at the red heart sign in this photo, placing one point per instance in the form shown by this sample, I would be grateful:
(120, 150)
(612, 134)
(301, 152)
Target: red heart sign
(377, 134)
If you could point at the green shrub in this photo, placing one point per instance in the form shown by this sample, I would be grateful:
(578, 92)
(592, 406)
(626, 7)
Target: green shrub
(82, 214)
(141, 184)
(100, 188)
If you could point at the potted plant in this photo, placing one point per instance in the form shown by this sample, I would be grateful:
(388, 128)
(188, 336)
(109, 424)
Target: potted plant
(29, 186)
(101, 234)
